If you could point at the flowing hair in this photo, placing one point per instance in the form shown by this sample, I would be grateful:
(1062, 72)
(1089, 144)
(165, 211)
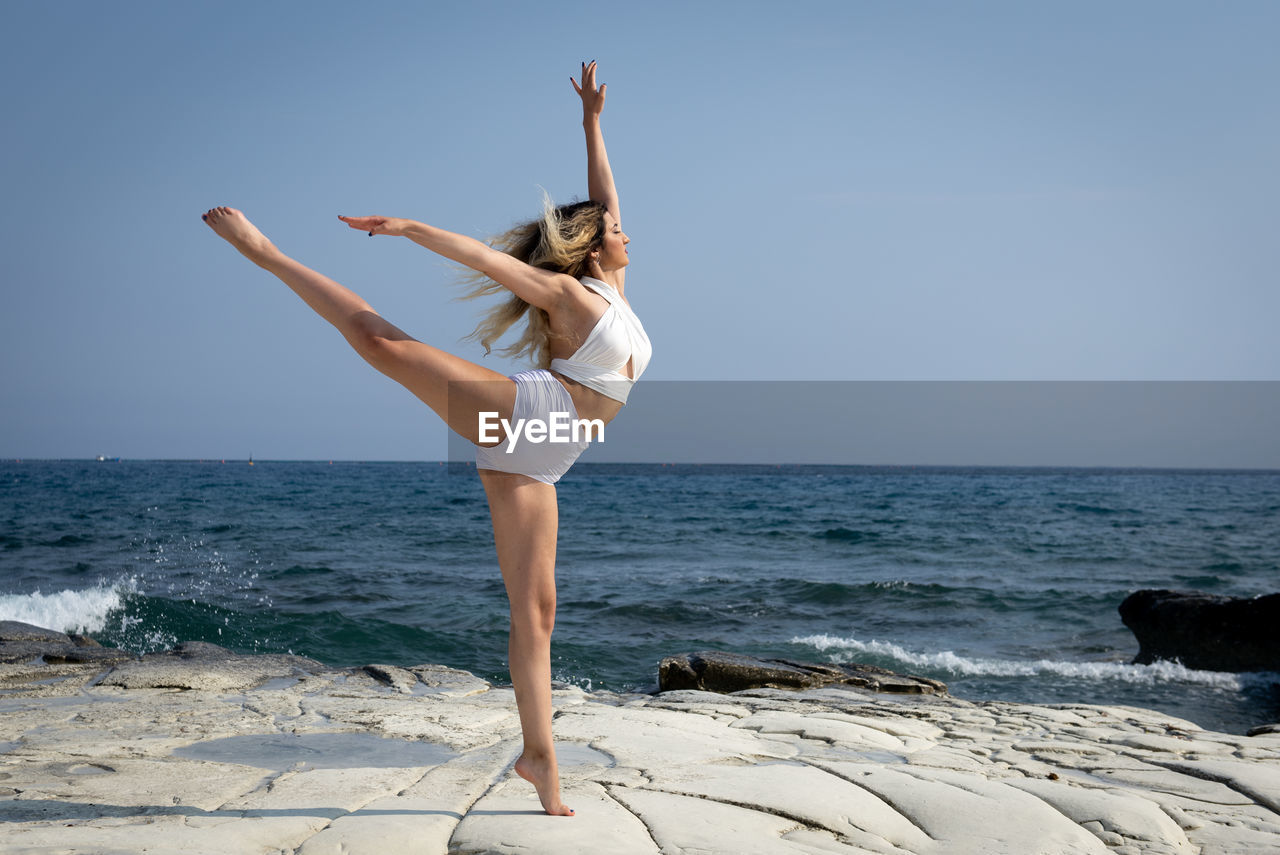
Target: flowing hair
(561, 240)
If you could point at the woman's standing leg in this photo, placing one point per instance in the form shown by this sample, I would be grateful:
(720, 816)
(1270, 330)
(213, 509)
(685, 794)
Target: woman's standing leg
(525, 522)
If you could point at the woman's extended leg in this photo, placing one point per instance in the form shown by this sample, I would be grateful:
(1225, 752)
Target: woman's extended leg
(438, 378)
(525, 521)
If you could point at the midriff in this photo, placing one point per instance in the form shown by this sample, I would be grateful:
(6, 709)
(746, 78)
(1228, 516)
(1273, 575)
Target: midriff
(589, 403)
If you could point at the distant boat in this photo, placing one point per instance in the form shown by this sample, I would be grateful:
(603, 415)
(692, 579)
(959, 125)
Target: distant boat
(102, 458)
(251, 458)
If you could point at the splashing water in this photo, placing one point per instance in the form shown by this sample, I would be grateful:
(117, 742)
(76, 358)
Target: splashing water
(85, 611)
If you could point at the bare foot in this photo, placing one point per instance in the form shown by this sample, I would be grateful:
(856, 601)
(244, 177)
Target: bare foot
(233, 227)
(544, 776)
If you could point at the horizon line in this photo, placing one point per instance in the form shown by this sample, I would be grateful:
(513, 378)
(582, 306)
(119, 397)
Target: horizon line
(220, 461)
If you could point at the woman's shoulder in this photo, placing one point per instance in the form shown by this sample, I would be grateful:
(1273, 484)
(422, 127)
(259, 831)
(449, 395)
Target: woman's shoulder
(606, 289)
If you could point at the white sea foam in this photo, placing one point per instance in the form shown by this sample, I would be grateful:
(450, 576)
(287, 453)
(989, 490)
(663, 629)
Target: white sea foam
(841, 649)
(67, 611)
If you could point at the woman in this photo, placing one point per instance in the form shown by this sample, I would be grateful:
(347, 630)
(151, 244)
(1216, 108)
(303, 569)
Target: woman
(570, 268)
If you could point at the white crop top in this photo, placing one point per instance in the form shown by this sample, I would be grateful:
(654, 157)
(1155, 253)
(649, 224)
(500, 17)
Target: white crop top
(616, 338)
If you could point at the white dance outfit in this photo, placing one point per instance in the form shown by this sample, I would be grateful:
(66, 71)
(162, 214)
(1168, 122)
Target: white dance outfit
(618, 337)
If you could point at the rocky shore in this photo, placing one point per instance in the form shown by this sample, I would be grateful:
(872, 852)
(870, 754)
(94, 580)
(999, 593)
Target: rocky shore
(200, 750)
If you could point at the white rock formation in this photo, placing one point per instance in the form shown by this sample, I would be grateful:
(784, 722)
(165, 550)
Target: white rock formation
(393, 760)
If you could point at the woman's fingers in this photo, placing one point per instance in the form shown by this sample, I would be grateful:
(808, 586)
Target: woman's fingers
(365, 224)
(588, 78)
(591, 95)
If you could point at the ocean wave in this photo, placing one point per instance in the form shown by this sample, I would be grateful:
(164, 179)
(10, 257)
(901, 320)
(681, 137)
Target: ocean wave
(83, 611)
(1082, 508)
(847, 535)
(946, 661)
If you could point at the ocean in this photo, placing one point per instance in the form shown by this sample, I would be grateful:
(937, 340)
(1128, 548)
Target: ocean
(1004, 583)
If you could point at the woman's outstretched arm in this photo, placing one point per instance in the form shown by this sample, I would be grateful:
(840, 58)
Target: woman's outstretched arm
(600, 185)
(545, 289)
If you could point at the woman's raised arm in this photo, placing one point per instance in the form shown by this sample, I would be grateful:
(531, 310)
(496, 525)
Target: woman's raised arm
(600, 186)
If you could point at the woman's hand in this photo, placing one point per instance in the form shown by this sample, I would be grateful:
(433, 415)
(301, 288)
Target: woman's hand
(377, 225)
(599, 175)
(592, 97)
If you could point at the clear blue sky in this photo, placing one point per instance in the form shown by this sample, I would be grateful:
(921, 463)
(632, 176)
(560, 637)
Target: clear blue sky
(815, 191)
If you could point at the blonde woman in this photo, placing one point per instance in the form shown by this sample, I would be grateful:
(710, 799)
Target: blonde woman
(565, 273)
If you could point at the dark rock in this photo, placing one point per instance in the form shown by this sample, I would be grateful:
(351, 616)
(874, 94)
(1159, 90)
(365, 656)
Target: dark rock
(1204, 631)
(27, 651)
(13, 630)
(1264, 729)
(717, 671)
(96, 655)
(22, 642)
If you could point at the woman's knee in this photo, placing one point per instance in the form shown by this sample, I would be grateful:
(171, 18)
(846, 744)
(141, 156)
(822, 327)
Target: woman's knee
(536, 615)
(373, 337)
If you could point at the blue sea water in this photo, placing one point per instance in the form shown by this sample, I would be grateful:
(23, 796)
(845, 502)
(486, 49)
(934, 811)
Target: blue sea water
(1004, 583)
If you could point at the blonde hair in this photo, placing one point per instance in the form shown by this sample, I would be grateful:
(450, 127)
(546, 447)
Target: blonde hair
(561, 240)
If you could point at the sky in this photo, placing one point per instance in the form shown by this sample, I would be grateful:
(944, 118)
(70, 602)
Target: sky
(831, 192)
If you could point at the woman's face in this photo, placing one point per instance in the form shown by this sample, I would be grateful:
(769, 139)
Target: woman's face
(613, 246)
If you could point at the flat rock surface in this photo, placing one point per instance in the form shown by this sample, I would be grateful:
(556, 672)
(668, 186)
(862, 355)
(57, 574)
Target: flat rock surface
(387, 759)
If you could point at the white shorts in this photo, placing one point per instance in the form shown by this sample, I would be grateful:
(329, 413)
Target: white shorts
(538, 395)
